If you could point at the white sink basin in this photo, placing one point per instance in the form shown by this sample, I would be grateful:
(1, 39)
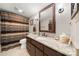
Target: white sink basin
(43, 39)
(39, 38)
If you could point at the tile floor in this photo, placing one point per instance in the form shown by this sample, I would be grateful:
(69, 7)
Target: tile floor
(17, 51)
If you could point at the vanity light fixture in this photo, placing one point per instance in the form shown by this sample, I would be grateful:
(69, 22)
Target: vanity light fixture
(61, 10)
(20, 10)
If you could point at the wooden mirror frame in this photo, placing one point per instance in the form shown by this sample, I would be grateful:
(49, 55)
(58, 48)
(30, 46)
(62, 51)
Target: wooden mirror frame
(53, 19)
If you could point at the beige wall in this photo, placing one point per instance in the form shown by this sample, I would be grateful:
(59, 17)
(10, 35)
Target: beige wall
(35, 21)
(75, 30)
(62, 20)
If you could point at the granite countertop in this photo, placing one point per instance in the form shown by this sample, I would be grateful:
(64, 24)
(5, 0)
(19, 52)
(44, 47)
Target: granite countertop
(54, 44)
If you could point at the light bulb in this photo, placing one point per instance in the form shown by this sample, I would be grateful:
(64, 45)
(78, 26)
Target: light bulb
(20, 10)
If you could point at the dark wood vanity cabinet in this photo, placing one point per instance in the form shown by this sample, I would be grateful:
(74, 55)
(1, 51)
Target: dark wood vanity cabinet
(32, 50)
(35, 48)
(37, 44)
(38, 48)
(39, 52)
(51, 52)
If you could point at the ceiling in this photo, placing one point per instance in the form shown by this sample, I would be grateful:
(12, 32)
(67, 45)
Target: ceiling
(29, 9)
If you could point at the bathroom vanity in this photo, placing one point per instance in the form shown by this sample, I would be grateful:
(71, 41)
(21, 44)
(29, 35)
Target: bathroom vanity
(46, 46)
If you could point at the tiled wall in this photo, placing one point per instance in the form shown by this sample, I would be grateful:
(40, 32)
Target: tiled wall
(14, 27)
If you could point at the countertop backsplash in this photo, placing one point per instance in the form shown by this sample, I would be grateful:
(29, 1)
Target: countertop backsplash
(48, 34)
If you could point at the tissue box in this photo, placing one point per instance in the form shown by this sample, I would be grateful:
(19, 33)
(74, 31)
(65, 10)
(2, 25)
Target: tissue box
(64, 38)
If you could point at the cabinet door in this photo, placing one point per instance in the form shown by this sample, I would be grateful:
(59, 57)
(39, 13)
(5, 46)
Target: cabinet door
(28, 46)
(45, 55)
(39, 52)
(32, 50)
(37, 44)
(51, 52)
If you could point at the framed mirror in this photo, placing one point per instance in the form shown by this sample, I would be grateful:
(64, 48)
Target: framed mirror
(47, 19)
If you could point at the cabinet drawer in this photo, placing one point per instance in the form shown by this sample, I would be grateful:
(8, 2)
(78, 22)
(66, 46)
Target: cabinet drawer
(28, 46)
(51, 52)
(45, 54)
(37, 44)
(38, 52)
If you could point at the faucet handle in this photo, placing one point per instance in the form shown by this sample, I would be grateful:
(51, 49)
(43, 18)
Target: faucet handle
(43, 34)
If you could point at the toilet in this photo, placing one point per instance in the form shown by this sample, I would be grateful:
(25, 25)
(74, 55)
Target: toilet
(23, 43)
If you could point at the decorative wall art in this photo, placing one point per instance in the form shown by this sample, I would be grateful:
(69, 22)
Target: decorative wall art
(31, 22)
(74, 9)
